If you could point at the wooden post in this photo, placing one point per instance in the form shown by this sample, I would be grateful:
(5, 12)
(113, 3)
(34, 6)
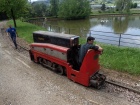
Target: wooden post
(120, 40)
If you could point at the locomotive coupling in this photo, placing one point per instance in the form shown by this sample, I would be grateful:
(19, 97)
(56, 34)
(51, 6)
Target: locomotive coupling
(97, 80)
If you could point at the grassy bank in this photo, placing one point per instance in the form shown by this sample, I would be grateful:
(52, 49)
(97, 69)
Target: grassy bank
(121, 59)
(98, 12)
(116, 58)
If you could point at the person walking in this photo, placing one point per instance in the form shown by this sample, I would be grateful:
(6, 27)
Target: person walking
(11, 31)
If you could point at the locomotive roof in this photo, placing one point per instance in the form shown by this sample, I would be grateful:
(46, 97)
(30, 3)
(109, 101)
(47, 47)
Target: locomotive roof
(61, 35)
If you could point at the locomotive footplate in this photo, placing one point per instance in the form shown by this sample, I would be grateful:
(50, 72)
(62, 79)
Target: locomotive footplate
(97, 80)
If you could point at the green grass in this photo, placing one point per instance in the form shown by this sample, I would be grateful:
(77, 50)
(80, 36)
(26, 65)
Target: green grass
(98, 12)
(122, 59)
(136, 10)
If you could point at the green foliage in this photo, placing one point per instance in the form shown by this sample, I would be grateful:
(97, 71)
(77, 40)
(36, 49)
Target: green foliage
(99, 11)
(103, 7)
(54, 7)
(135, 5)
(39, 10)
(123, 5)
(74, 9)
(19, 7)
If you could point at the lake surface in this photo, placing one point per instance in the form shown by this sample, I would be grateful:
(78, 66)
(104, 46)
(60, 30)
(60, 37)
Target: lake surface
(121, 31)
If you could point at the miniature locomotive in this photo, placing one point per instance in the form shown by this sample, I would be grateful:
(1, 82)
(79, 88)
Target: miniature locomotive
(59, 52)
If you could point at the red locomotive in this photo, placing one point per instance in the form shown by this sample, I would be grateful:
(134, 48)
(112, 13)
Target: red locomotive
(59, 52)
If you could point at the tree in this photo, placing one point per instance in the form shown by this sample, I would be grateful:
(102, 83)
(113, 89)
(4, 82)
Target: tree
(54, 7)
(135, 5)
(103, 7)
(74, 9)
(39, 10)
(132, 5)
(13, 8)
(3, 16)
(123, 5)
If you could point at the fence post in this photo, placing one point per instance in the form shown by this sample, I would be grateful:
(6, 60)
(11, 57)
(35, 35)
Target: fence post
(59, 29)
(69, 30)
(120, 40)
(90, 32)
(50, 27)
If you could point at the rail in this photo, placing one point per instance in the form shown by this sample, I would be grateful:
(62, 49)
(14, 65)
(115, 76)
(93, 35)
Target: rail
(123, 86)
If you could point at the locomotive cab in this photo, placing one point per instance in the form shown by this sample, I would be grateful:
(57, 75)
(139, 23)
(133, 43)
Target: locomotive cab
(73, 56)
(87, 74)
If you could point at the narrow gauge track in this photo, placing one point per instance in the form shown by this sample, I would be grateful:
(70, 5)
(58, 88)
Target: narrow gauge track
(23, 47)
(123, 86)
(107, 81)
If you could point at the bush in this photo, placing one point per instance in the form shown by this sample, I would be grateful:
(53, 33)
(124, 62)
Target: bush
(99, 11)
(74, 9)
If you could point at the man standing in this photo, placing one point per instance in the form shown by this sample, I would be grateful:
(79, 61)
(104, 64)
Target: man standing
(84, 48)
(12, 32)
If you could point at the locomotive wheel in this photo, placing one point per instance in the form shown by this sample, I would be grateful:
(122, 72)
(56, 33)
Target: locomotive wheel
(54, 67)
(40, 60)
(43, 62)
(99, 86)
(65, 71)
(60, 70)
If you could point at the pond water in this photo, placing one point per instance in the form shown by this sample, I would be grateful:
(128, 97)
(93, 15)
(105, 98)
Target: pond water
(121, 31)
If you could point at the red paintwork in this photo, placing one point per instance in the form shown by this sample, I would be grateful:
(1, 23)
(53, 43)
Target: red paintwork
(51, 58)
(88, 68)
(48, 45)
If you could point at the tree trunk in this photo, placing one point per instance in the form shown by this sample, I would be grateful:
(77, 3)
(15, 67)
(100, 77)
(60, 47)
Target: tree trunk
(12, 13)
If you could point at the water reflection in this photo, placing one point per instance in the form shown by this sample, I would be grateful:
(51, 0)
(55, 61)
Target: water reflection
(121, 31)
(120, 24)
(77, 27)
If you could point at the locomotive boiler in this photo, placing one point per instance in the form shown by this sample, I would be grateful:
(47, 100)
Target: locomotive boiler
(59, 52)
